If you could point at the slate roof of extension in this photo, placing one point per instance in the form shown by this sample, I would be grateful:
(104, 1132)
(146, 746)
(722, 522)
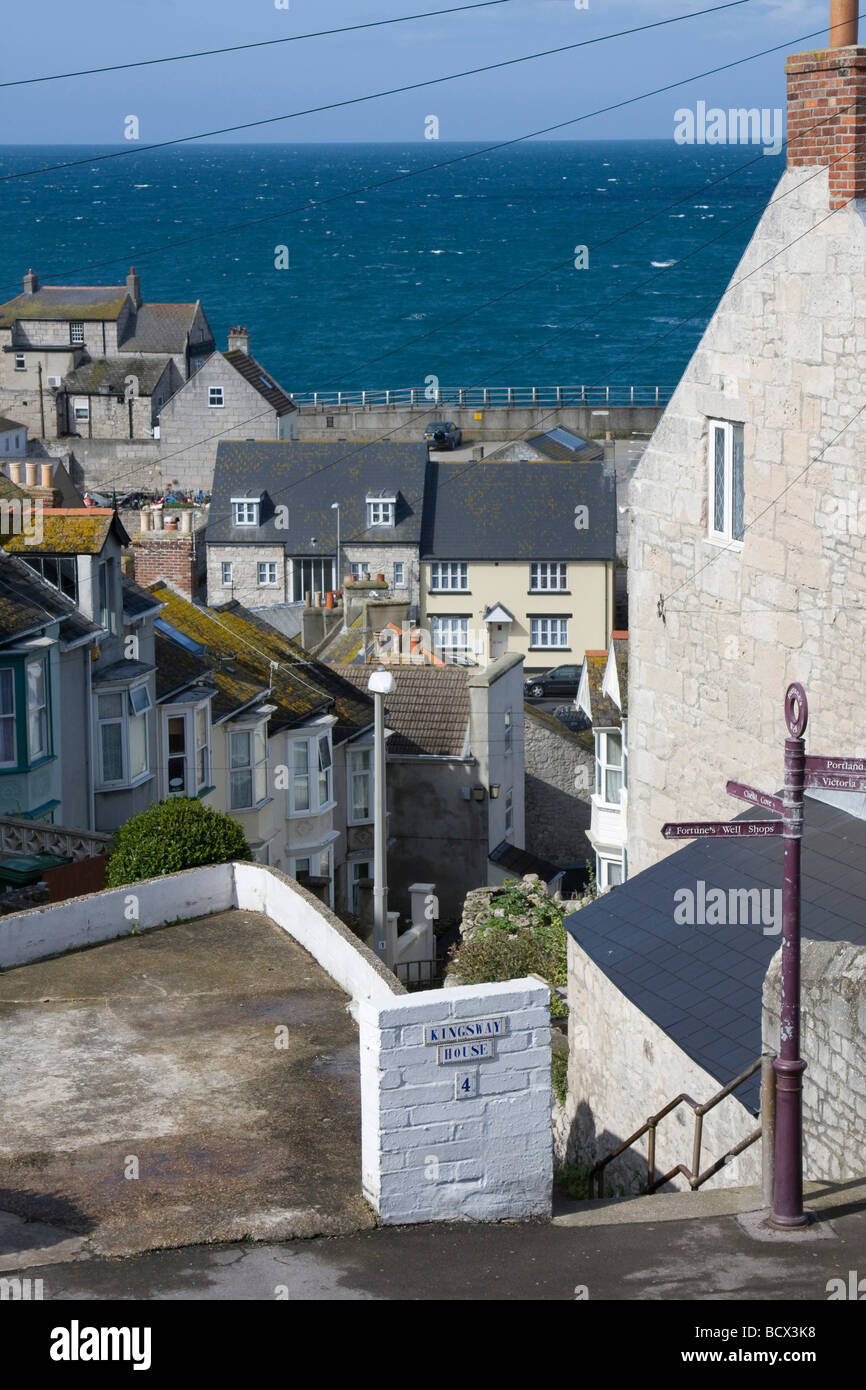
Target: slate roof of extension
(70, 531)
(162, 328)
(307, 478)
(65, 302)
(429, 710)
(6, 424)
(251, 371)
(702, 984)
(109, 374)
(518, 511)
(27, 603)
(238, 648)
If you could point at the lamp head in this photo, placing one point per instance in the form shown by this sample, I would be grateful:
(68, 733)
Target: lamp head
(381, 683)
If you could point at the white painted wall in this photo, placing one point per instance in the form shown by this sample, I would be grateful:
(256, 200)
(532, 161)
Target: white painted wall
(426, 1155)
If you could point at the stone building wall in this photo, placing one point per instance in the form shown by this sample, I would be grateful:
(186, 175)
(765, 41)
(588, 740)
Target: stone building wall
(191, 429)
(781, 356)
(833, 1042)
(559, 780)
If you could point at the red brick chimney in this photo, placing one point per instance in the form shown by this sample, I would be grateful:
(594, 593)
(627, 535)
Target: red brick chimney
(176, 555)
(827, 107)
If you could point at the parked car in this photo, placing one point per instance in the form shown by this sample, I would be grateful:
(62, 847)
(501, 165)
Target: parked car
(443, 434)
(562, 680)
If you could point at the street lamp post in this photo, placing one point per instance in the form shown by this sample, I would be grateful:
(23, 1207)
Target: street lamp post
(335, 507)
(380, 684)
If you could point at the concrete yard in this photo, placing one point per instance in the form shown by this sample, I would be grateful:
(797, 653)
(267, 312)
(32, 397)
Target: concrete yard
(158, 1053)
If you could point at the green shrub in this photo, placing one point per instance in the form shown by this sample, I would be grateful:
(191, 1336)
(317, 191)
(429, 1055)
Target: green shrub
(559, 1073)
(180, 833)
(516, 930)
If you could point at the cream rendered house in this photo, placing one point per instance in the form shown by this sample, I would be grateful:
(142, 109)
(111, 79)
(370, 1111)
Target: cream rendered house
(518, 558)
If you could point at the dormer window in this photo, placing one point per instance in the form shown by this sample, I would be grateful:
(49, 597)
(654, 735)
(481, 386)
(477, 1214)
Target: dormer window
(245, 511)
(380, 511)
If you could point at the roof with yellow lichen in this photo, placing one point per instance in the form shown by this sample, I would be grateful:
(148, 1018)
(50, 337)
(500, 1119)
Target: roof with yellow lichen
(249, 659)
(68, 531)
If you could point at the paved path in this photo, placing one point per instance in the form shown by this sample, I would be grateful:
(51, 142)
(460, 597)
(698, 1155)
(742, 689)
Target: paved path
(157, 1054)
(595, 1251)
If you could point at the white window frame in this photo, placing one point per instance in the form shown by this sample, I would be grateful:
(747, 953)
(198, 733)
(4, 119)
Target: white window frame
(456, 627)
(257, 767)
(226, 573)
(76, 332)
(245, 511)
(449, 577)
(537, 633)
(325, 851)
(312, 774)
(399, 574)
(509, 733)
(548, 577)
(189, 714)
(381, 511)
(212, 393)
(267, 567)
(605, 768)
(509, 813)
(81, 409)
(125, 719)
(603, 865)
(20, 362)
(13, 716)
(353, 773)
(43, 709)
(726, 430)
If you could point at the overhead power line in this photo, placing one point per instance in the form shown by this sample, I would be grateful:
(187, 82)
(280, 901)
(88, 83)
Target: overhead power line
(245, 47)
(396, 91)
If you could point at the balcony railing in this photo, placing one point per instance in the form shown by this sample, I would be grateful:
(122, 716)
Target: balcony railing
(35, 837)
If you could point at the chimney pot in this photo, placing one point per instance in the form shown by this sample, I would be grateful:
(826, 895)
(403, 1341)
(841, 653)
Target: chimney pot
(843, 23)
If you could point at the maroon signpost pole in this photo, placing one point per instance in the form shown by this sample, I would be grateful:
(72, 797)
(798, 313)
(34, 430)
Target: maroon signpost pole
(789, 1066)
(843, 774)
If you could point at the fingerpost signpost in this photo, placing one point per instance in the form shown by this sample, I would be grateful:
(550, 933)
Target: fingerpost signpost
(828, 774)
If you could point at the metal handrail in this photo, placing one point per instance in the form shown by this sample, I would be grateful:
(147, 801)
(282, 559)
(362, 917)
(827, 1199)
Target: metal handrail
(693, 1175)
(485, 396)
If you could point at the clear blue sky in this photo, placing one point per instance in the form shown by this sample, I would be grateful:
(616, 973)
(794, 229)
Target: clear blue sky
(184, 98)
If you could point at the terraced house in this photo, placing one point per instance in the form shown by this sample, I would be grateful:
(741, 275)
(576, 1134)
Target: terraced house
(518, 557)
(275, 511)
(95, 362)
(249, 724)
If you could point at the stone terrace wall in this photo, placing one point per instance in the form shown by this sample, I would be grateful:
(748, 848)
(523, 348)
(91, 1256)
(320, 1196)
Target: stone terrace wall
(560, 773)
(833, 1026)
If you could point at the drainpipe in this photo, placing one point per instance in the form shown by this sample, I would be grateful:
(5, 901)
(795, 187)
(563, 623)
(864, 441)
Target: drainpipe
(91, 769)
(41, 400)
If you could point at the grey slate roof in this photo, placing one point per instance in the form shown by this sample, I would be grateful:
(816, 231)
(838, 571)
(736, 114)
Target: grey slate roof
(65, 302)
(566, 446)
(702, 984)
(521, 861)
(253, 373)
(110, 373)
(307, 478)
(160, 328)
(518, 511)
(6, 424)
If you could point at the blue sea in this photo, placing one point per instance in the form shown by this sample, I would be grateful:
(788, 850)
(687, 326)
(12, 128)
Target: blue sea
(398, 270)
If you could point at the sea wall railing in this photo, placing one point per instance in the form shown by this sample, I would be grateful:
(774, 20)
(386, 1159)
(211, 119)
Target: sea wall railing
(485, 397)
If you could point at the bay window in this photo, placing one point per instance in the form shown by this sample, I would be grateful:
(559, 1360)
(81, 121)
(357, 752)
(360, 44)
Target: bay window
(37, 710)
(310, 765)
(122, 741)
(186, 740)
(608, 768)
(248, 766)
(8, 731)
